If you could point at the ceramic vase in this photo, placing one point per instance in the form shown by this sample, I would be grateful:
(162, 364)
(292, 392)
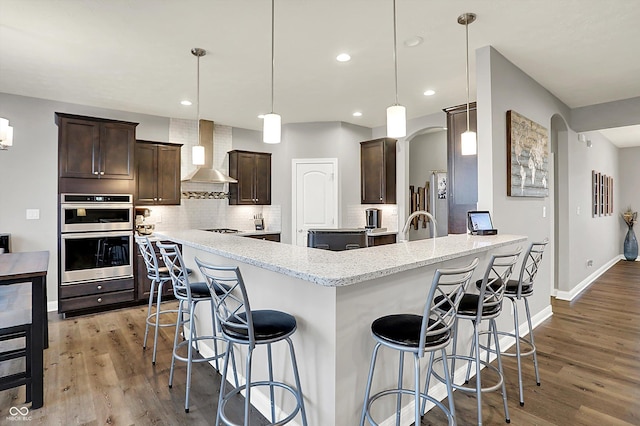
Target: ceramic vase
(630, 245)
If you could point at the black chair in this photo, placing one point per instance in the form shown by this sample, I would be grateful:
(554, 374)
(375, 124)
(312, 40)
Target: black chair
(416, 334)
(17, 332)
(243, 326)
(521, 289)
(485, 305)
(189, 294)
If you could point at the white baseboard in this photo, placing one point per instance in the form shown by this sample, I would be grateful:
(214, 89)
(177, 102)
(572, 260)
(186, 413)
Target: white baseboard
(584, 284)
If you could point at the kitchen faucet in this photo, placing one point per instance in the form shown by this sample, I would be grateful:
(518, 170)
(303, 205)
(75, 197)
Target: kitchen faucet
(405, 229)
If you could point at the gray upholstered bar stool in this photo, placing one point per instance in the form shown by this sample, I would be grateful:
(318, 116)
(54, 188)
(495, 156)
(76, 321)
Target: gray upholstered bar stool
(243, 326)
(189, 294)
(485, 305)
(520, 290)
(159, 275)
(416, 334)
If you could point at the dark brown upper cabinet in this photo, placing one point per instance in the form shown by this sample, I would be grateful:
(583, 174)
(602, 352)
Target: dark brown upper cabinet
(462, 190)
(95, 148)
(157, 173)
(378, 171)
(252, 170)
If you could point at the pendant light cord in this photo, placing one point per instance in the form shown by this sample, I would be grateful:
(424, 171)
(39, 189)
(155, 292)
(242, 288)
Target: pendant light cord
(273, 49)
(395, 53)
(466, 28)
(198, 98)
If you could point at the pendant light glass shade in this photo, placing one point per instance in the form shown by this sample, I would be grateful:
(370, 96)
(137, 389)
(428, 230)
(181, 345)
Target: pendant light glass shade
(271, 128)
(396, 121)
(396, 114)
(197, 155)
(468, 143)
(468, 140)
(197, 152)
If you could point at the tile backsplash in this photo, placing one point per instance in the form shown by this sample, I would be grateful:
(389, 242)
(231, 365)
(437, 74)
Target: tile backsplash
(209, 213)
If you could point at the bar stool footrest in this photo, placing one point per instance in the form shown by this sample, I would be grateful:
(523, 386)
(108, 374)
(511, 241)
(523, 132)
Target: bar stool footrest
(151, 319)
(293, 391)
(412, 393)
(468, 359)
(523, 339)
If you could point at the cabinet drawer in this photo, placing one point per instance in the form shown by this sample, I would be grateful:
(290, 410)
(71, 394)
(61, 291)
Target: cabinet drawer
(98, 287)
(267, 237)
(380, 240)
(95, 300)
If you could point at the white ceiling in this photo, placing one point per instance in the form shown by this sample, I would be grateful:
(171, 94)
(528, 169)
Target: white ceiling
(135, 55)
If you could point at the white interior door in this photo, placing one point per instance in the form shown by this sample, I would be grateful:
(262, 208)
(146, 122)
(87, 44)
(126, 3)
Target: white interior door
(315, 196)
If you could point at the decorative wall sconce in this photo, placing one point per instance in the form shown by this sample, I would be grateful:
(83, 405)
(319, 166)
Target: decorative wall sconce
(6, 134)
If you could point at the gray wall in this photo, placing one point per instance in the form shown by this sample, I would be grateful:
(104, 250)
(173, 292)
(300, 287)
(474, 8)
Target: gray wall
(502, 86)
(428, 152)
(29, 170)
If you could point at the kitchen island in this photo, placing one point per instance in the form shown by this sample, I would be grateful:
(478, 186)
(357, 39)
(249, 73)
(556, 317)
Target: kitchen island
(335, 296)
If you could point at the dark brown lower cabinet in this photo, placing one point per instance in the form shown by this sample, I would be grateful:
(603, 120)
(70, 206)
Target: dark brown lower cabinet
(268, 237)
(95, 296)
(380, 240)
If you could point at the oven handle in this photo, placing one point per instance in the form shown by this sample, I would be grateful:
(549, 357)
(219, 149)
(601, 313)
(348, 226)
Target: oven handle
(105, 234)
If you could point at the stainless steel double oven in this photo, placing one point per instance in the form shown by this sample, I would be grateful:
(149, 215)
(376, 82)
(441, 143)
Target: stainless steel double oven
(96, 237)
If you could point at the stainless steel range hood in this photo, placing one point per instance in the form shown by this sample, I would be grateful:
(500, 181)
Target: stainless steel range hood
(207, 173)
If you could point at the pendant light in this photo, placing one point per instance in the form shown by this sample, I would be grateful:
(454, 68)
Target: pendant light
(197, 152)
(396, 113)
(468, 142)
(272, 121)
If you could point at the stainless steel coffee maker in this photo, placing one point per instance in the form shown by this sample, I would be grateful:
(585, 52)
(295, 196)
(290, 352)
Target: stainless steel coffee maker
(373, 218)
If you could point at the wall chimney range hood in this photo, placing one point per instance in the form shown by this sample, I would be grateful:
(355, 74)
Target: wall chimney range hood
(207, 173)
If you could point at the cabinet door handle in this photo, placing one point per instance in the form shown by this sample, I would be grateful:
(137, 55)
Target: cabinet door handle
(101, 173)
(380, 198)
(159, 199)
(99, 299)
(95, 173)
(155, 199)
(99, 287)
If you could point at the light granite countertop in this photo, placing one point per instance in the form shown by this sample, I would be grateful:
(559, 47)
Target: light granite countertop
(329, 268)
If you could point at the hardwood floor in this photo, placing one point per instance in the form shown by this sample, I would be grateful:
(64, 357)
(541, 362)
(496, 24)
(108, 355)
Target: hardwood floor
(589, 353)
(589, 360)
(97, 373)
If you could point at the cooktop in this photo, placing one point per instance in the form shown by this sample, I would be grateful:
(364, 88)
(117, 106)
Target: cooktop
(222, 230)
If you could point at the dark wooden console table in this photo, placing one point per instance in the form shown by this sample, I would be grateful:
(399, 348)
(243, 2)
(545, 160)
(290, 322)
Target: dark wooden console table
(31, 267)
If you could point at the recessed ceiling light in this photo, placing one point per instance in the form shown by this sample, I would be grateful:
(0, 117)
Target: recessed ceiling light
(343, 57)
(261, 116)
(413, 41)
(429, 92)
(357, 114)
(185, 103)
